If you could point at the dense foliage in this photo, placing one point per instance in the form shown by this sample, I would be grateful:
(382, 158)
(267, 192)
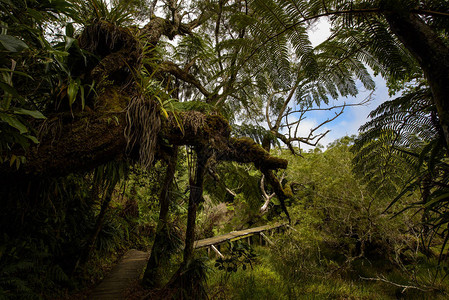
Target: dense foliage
(130, 123)
(342, 243)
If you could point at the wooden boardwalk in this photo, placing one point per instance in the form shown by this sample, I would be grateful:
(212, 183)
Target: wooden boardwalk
(131, 266)
(234, 235)
(121, 277)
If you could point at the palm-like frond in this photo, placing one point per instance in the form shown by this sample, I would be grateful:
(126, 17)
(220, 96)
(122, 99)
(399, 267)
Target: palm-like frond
(117, 12)
(391, 143)
(365, 34)
(402, 150)
(277, 32)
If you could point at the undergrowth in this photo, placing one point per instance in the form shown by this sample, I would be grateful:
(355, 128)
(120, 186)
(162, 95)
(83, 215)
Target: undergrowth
(44, 234)
(305, 277)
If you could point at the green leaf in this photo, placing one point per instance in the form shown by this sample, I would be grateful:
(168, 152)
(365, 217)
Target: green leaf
(11, 43)
(59, 53)
(13, 158)
(32, 113)
(15, 72)
(9, 89)
(35, 14)
(72, 91)
(32, 138)
(164, 112)
(83, 100)
(14, 122)
(69, 42)
(69, 30)
(17, 163)
(436, 200)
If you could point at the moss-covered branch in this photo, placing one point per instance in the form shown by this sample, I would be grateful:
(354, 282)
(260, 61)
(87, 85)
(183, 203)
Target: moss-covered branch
(117, 123)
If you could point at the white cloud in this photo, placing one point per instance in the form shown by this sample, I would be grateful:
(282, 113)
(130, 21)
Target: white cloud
(349, 122)
(319, 32)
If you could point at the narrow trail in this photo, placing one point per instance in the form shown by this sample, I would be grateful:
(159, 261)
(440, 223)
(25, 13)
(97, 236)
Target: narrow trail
(127, 271)
(131, 266)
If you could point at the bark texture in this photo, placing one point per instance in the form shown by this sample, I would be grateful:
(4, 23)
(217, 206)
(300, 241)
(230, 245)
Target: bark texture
(159, 252)
(71, 144)
(195, 198)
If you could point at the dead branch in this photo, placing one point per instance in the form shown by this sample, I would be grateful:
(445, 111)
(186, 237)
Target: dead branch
(404, 287)
(217, 178)
(264, 207)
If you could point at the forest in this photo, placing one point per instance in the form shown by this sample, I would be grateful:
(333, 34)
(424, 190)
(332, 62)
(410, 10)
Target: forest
(154, 124)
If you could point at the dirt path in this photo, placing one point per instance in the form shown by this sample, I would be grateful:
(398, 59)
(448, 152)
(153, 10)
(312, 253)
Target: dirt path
(127, 271)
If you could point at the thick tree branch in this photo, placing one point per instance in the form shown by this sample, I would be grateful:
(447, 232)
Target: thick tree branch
(182, 74)
(93, 139)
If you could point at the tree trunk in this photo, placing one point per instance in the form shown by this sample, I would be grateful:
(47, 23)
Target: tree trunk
(432, 55)
(159, 252)
(195, 198)
(183, 280)
(90, 243)
(266, 143)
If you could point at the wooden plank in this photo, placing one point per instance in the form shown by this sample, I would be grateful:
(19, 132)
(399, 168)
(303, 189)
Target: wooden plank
(266, 238)
(216, 251)
(233, 235)
(121, 277)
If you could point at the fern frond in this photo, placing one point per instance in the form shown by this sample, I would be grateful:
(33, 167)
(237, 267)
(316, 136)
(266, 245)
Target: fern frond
(402, 132)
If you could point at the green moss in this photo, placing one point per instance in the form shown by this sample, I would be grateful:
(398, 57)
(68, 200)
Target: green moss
(246, 151)
(288, 190)
(218, 124)
(250, 150)
(112, 100)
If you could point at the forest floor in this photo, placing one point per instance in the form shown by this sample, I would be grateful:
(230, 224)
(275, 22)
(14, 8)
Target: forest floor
(122, 277)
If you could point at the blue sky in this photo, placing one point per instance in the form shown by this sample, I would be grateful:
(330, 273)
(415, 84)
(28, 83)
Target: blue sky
(353, 117)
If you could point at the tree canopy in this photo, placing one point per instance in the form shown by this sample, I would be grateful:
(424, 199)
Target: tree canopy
(92, 87)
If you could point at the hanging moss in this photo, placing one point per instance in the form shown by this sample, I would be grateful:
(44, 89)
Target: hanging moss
(143, 124)
(118, 49)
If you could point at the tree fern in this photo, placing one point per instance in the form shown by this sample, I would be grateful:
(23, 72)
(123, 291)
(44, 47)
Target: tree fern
(404, 123)
(405, 137)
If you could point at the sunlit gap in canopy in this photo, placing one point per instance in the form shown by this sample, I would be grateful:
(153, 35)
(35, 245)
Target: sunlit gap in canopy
(353, 117)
